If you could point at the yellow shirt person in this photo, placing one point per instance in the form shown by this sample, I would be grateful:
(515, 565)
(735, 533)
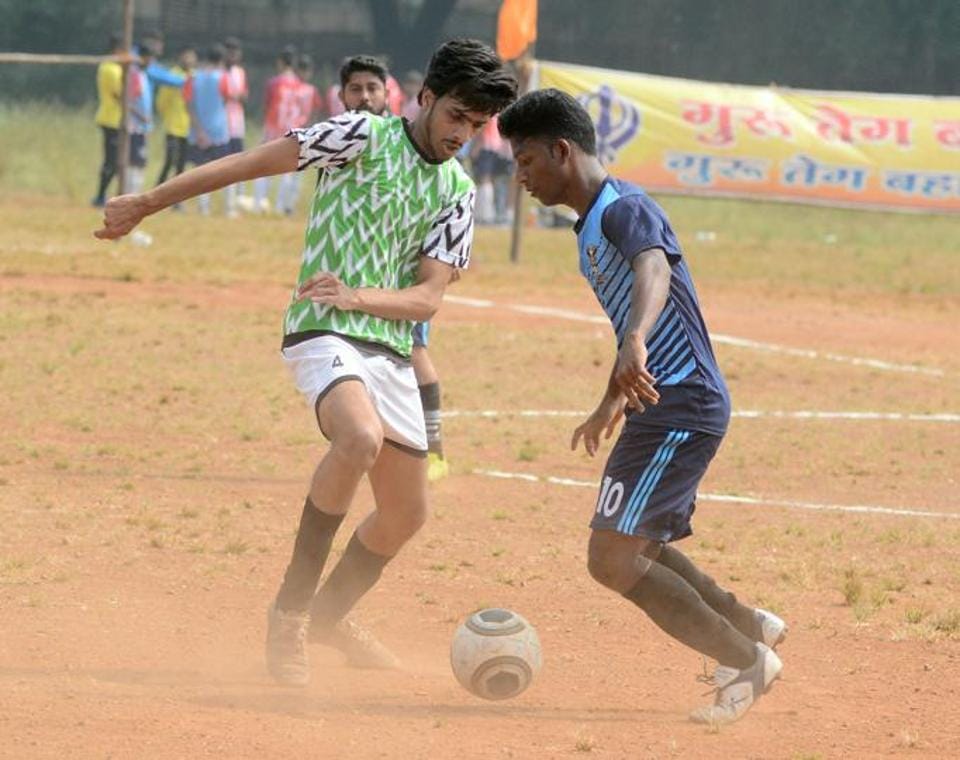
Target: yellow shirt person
(172, 107)
(109, 87)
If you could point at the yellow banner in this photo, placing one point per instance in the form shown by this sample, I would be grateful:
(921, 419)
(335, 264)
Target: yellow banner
(835, 148)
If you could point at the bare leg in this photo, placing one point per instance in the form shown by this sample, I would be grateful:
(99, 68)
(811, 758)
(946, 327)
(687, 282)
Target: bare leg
(627, 564)
(400, 488)
(347, 416)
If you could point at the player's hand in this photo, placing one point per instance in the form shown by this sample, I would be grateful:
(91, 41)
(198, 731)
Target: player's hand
(122, 214)
(603, 420)
(632, 376)
(326, 288)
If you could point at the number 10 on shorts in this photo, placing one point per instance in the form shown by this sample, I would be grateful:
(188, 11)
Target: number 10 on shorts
(611, 495)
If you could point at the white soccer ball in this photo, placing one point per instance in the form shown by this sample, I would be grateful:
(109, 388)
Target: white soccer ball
(495, 654)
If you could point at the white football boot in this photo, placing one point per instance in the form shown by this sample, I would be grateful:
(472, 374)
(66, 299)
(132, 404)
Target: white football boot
(737, 690)
(773, 629)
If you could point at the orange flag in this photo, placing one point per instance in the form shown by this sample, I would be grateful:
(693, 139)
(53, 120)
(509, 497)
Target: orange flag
(516, 27)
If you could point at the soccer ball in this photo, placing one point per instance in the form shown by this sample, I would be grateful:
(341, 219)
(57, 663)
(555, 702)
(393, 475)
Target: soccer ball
(495, 654)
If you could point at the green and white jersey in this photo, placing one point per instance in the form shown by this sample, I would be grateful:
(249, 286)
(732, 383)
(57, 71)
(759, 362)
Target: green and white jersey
(380, 205)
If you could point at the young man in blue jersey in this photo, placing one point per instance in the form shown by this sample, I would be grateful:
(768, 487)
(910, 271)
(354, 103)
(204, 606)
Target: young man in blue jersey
(206, 94)
(667, 383)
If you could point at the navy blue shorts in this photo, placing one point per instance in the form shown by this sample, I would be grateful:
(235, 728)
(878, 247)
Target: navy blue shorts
(649, 485)
(421, 334)
(138, 150)
(235, 146)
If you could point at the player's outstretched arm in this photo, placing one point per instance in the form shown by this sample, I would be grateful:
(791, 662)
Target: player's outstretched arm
(417, 303)
(125, 212)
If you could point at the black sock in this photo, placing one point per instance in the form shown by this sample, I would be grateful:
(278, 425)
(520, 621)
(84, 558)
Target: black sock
(314, 537)
(106, 176)
(430, 399)
(724, 602)
(677, 608)
(355, 574)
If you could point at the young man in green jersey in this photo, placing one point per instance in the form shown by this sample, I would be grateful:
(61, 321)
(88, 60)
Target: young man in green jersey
(363, 87)
(391, 221)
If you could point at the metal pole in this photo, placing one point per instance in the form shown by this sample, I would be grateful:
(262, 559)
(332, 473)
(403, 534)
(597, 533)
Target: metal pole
(53, 58)
(123, 144)
(519, 199)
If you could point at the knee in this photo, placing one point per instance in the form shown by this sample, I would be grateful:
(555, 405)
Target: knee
(618, 562)
(396, 526)
(409, 518)
(600, 570)
(608, 565)
(360, 447)
(414, 520)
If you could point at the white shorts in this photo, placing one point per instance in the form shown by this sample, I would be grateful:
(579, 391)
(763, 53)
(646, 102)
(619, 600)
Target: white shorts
(320, 363)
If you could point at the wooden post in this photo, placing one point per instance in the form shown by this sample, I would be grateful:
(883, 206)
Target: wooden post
(123, 144)
(519, 199)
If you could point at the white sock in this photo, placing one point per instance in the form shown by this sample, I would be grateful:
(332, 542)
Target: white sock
(230, 199)
(287, 192)
(261, 187)
(485, 208)
(134, 180)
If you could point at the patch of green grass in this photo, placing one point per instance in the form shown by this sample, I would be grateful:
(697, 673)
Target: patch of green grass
(852, 587)
(585, 744)
(947, 622)
(236, 547)
(528, 452)
(915, 615)
(893, 584)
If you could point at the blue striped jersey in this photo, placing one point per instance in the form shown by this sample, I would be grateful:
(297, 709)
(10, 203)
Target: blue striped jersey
(621, 222)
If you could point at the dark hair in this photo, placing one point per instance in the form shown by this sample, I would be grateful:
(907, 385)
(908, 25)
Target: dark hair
(214, 54)
(288, 55)
(550, 114)
(304, 62)
(232, 43)
(357, 63)
(116, 41)
(473, 73)
(147, 47)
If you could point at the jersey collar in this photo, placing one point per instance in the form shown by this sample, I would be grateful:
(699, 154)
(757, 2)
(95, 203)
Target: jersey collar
(408, 131)
(579, 225)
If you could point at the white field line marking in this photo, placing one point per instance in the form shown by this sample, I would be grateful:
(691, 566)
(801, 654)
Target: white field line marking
(750, 414)
(730, 498)
(730, 340)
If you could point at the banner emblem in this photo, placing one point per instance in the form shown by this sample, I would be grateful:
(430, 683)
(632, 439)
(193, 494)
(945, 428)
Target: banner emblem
(616, 119)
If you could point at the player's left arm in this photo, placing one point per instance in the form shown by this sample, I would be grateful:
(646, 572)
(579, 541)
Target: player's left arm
(418, 303)
(160, 74)
(445, 250)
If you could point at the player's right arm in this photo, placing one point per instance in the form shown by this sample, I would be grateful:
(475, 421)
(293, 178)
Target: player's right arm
(125, 212)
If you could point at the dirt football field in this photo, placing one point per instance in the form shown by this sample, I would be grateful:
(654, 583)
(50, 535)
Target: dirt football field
(154, 458)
